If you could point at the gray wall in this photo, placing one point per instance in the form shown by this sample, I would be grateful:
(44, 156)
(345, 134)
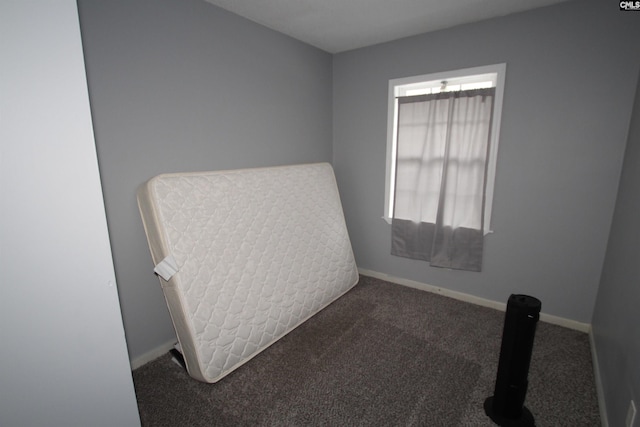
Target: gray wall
(180, 85)
(617, 313)
(565, 118)
(63, 355)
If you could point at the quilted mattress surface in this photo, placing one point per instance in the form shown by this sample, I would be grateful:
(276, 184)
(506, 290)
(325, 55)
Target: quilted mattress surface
(252, 254)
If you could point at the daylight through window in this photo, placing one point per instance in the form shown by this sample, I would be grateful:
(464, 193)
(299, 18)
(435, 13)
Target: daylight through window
(409, 97)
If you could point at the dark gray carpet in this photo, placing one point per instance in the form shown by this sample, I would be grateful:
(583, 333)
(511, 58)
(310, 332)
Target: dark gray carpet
(382, 355)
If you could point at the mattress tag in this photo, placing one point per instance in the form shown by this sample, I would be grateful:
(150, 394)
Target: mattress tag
(166, 268)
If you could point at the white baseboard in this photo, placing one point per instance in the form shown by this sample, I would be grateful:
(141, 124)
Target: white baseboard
(602, 404)
(152, 354)
(555, 320)
(560, 321)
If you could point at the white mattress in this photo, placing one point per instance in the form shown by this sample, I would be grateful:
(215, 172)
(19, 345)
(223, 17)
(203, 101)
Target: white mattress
(257, 252)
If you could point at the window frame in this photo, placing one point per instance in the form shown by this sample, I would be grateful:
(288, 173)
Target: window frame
(397, 87)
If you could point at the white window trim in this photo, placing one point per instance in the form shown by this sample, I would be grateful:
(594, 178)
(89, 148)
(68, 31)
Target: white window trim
(452, 77)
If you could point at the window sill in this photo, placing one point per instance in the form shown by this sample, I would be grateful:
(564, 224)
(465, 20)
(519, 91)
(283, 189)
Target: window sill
(388, 221)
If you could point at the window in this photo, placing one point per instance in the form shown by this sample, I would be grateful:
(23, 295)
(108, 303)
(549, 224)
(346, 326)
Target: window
(402, 91)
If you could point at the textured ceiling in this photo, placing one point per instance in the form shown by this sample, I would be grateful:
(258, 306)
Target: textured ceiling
(340, 25)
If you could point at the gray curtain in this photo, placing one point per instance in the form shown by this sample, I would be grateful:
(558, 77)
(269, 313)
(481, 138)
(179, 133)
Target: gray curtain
(441, 159)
